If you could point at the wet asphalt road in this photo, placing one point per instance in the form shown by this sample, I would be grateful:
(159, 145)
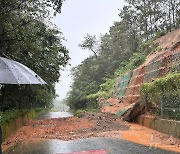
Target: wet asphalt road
(50, 115)
(112, 146)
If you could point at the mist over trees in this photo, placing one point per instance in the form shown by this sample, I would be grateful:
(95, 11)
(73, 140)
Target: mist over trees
(28, 36)
(123, 48)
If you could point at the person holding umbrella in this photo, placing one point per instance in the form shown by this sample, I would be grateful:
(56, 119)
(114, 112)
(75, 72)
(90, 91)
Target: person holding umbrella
(12, 72)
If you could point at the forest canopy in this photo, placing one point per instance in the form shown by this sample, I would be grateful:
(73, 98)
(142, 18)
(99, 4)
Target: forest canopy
(28, 36)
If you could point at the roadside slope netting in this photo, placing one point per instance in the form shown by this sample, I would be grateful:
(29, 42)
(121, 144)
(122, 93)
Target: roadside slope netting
(162, 97)
(122, 84)
(170, 107)
(128, 86)
(165, 60)
(132, 93)
(152, 70)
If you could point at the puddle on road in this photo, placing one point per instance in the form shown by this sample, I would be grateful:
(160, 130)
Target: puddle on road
(112, 146)
(50, 115)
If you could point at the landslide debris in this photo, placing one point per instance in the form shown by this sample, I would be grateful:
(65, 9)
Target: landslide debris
(68, 128)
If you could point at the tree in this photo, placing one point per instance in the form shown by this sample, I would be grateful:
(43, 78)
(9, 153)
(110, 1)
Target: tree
(90, 42)
(26, 36)
(154, 16)
(122, 49)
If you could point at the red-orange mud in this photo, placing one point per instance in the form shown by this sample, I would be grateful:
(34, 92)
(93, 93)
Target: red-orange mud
(99, 125)
(143, 135)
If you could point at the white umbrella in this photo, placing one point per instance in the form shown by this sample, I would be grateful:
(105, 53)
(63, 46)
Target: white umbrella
(12, 72)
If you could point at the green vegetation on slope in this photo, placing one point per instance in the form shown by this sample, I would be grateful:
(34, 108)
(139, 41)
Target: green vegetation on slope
(124, 48)
(162, 96)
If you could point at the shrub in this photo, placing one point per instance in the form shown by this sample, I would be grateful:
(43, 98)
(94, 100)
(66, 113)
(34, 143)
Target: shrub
(79, 113)
(163, 93)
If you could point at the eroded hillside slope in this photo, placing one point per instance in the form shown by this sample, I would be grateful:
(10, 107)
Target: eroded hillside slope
(157, 64)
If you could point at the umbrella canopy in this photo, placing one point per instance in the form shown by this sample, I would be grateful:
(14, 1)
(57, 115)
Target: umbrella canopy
(12, 72)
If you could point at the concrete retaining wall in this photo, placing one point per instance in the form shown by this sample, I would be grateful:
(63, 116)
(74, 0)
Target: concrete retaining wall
(10, 127)
(170, 127)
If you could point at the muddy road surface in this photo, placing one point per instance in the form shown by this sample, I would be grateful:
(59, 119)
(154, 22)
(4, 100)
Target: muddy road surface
(92, 132)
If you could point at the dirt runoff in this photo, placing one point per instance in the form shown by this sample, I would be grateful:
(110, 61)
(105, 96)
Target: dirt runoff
(67, 128)
(92, 125)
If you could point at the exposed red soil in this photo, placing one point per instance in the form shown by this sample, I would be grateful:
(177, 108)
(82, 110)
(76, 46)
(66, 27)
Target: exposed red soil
(112, 106)
(157, 65)
(66, 128)
(99, 125)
